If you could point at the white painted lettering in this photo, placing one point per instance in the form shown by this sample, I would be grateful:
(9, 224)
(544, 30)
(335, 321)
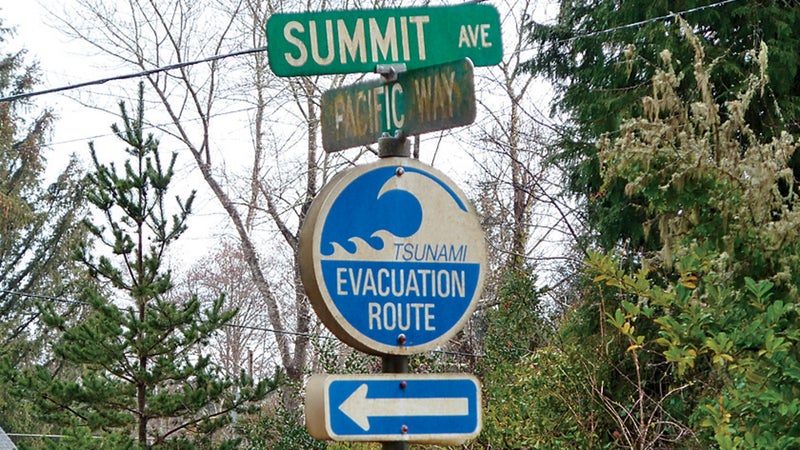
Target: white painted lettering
(397, 93)
(443, 283)
(389, 312)
(473, 35)
(400, 283)
(312, 30)
(383, 274)
(404, 38)
(354, 44)
(463, 37)
(485, 35)
(391, 316)
(429, 317)
(356, 282)
(291, 39)
(420, 21)
(340, 281)
(374, 315)
(386, 43)
(369, 283)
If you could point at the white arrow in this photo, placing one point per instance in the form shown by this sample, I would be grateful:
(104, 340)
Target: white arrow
(359, 408)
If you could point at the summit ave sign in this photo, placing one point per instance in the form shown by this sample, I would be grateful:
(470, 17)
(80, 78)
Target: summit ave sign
(353, 41)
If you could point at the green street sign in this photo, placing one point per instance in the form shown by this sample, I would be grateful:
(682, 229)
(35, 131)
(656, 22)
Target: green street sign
(419, 101)
(353, 41)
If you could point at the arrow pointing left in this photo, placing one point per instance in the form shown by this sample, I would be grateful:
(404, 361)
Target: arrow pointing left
(359, 408)
(431, 408)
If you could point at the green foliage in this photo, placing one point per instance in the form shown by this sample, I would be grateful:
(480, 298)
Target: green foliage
(717, 302)
(536, 394)
(601, 67)
(516, 326)
(335, 357)
(281, 430)
(541, 401)
(143, 369)
(39, 221)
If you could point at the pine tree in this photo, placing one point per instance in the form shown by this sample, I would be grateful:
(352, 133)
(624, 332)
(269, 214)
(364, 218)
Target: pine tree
(147, 380)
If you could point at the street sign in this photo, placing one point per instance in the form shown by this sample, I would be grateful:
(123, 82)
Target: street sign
(392, 257)
(354, 41)
(419, 101)
(441, 408)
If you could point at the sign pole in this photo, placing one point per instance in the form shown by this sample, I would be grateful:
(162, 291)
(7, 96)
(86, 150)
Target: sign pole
(387, 292)
(389, 146)
(394, 364)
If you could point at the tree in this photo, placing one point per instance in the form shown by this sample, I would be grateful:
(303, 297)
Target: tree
(266, 205)
(600, 57)
(39, 221)
(146, 375)
(717, 302)
(243, 344)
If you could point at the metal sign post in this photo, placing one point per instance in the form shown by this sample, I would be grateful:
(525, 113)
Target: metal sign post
(392, 254)
(394, 364)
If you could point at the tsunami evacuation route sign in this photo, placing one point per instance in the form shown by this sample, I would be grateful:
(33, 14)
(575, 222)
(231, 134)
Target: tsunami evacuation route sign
(392, 257)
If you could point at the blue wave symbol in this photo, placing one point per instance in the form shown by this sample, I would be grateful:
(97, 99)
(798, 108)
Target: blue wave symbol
(359, 212)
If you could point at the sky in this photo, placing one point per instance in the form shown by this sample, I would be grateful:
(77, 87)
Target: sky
(62, 63)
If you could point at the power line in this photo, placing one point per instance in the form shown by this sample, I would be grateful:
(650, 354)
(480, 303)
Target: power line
(272, 330)
(44, 297)
(131, 75)
(230, 325)
(645, 21)
(261, 49)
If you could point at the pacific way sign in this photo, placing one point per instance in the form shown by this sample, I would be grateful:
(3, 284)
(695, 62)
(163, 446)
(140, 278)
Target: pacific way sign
(441, 408)
(392, 257)
(353, 41)
(419, 101)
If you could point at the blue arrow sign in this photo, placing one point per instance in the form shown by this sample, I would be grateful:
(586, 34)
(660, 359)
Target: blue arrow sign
(395, 407)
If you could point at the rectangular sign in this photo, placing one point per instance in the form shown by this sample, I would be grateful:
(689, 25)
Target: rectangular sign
(353, 41)
(419, 101)
(433, 408)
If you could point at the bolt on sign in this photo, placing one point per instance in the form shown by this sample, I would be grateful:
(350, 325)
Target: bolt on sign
(419, 101)
(392, 257)
(357, 41)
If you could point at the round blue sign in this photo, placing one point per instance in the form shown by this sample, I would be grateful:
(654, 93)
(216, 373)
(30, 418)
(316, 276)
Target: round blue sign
(393, 257)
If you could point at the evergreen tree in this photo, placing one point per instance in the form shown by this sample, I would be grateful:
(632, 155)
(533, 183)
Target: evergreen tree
(147, 380)
(39, 222)
(718, 303)
(628, 72)
(601, 55)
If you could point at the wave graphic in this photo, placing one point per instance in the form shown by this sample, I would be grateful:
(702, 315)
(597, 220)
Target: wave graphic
(380, 209)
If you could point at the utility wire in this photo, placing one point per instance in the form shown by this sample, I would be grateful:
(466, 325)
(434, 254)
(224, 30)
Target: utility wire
(43, 297)
(230, 325)
(645, 21)
(261, 49)
(130, 75)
